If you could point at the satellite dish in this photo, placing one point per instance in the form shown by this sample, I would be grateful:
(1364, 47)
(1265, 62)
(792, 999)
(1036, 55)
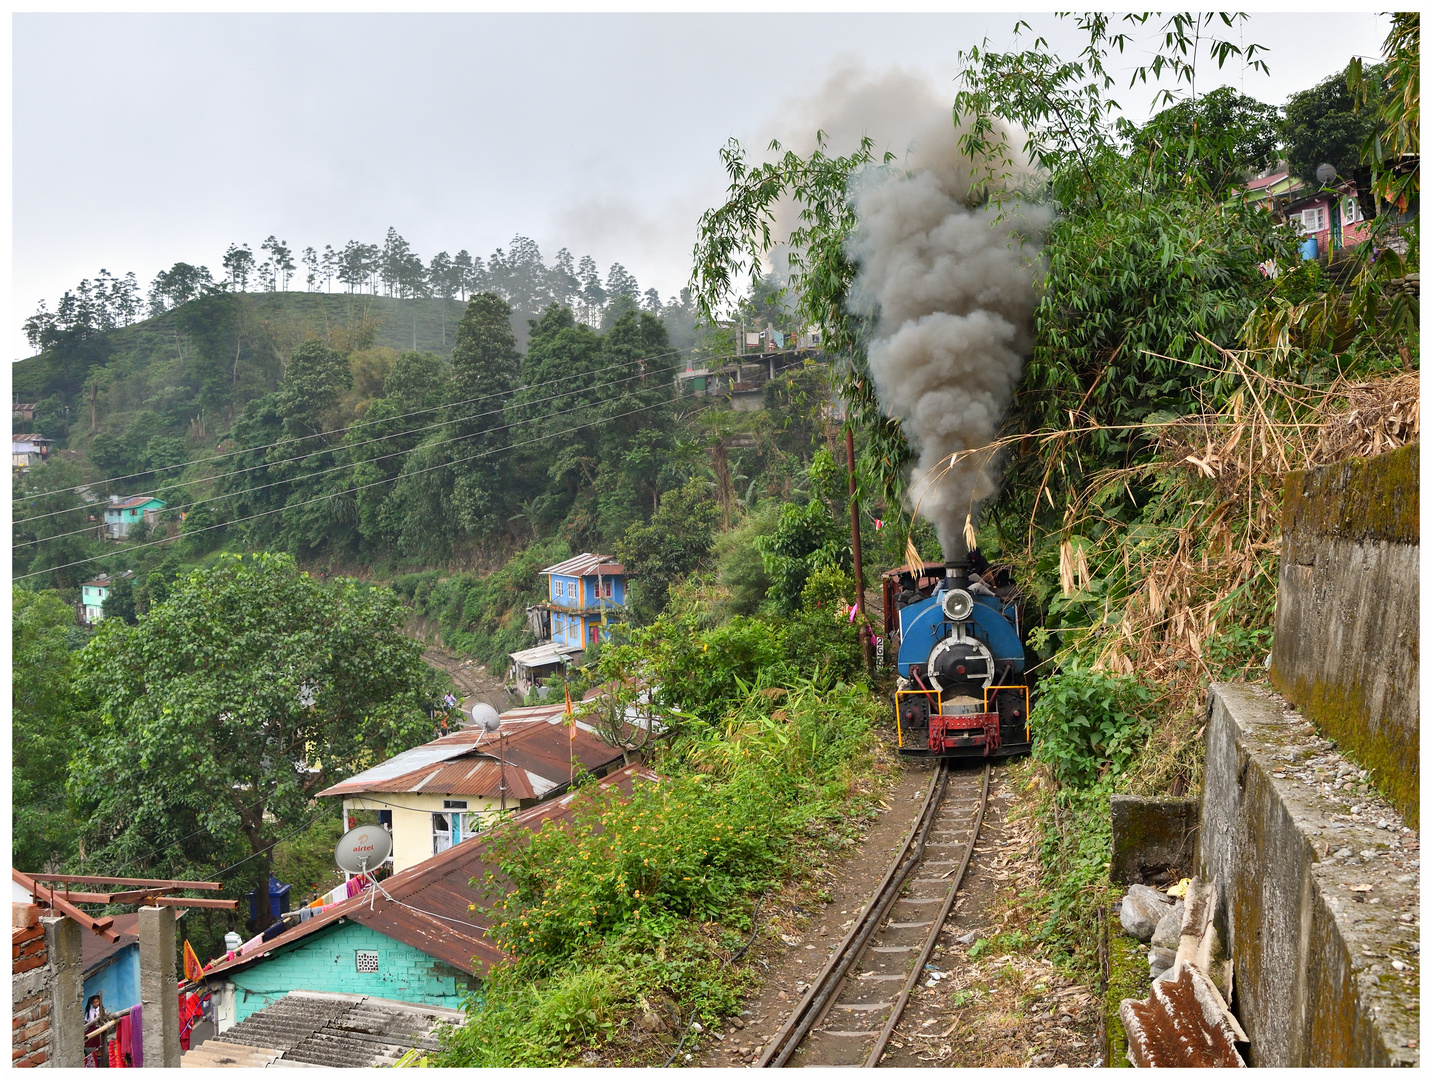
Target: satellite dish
(485, 717)
(957, 605)
(1326, 174)
(363, 848)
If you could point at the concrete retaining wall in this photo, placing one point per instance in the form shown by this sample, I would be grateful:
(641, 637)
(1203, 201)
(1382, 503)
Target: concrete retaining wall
(1317, 904)
(1153, 840)
(1345, 645)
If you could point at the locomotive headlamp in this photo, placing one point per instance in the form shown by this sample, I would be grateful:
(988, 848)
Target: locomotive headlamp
(958, 604)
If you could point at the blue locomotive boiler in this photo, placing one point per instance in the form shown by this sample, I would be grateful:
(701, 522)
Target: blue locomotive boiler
(961, 688)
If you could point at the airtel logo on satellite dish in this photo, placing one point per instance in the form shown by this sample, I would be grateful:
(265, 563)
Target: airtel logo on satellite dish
(361, 844)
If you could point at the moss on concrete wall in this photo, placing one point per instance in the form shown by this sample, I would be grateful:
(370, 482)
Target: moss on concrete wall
(1387, 751)
(1372, 498)
(1128, 978)
(1346, 648)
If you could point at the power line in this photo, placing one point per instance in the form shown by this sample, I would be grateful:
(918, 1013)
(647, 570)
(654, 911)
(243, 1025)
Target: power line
(335, 468)
(350, 427)
(352, 490)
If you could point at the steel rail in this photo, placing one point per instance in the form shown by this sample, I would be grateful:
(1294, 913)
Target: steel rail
(827, 984)
(825, 988)
(935, 927)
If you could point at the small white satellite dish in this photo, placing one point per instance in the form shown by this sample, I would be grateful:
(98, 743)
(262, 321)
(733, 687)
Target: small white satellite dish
(485, 717)
(363, 848)
(1326, 174)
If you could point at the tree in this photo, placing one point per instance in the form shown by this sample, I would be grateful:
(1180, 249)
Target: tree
(659, 553)
(50, 525)
(239, 262)
(119, 603)
(1217, 139)
(465, 273)
(310, 263)
(395, 255)
(1324, 124)
(283, 264)
(310, 389)
(593, 296)
(484, 370)
(177, 285)
(47, 722)
(223, 713)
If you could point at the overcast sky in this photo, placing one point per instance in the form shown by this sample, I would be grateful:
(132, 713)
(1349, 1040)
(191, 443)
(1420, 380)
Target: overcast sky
(143, 140)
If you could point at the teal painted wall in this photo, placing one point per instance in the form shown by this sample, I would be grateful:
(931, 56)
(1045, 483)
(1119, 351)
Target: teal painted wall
(326, 961)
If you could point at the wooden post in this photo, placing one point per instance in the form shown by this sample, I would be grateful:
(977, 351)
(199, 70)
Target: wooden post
(855, 547)
(159, 987)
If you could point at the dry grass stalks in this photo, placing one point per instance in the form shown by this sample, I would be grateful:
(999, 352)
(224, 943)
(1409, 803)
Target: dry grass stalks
(1213, 568)
(1379, 416)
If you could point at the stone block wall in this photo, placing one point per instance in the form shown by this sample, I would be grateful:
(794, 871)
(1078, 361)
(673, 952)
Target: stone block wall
(32, 984)
(1345, 644)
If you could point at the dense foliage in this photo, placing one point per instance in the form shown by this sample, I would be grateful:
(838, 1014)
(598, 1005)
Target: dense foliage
(48, 719)
(229, 705)
(641, 900)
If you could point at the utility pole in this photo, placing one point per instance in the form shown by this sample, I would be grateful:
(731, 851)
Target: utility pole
(855, 545)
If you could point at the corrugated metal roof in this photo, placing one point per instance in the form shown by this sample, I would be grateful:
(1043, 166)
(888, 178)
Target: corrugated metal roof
(426, 906)
(457, 764)
(94, 949)
(132, 501)
(585, 565)
(551, 652)
(307, 1027)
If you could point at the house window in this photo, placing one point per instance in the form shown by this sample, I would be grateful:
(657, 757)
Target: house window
(1314, 219)
(367, 961)
(571, 590)
(607, 589)
(1351, 210)
(442, 833)
(454, 804)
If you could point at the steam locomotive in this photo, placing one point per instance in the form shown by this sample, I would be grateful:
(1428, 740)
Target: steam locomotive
(962, 689)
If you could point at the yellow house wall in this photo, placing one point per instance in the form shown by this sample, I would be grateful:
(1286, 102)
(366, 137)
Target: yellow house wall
(413, 820)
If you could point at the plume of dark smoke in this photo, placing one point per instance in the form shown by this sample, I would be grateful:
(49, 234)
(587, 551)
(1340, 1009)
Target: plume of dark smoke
(951, 288)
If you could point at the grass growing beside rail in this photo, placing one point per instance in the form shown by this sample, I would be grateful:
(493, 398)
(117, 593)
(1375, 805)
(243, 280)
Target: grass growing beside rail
(622, 920)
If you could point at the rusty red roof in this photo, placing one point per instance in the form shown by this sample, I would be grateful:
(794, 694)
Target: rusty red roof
(426, 906)
(538, 753)
(132, 501)
(586, 565)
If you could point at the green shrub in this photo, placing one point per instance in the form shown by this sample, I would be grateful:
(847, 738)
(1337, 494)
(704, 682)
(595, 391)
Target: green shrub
(1087, 722)
(820, 638)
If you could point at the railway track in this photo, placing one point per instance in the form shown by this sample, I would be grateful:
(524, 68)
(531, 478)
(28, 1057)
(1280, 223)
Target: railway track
(467, 680)
(850, 1010)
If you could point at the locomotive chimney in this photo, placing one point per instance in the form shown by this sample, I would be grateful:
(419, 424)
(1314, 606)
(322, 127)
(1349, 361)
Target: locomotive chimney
(957, 572)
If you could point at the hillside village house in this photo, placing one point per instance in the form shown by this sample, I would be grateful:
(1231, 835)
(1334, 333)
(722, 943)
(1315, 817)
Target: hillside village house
(414, 939)
(92, 597)
(584, 594)
(1328, 219)
(27, 450)
(445, 792)
(123, 514)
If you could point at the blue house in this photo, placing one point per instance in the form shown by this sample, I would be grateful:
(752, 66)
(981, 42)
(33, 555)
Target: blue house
(584, 595)
(93, 595)
(111, 969)
(122, 514)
